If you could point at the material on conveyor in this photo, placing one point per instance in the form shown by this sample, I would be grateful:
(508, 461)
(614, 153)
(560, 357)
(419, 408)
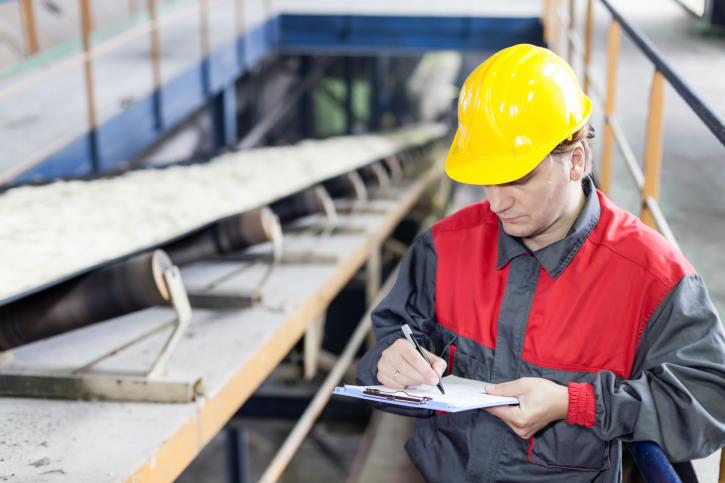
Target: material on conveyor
(298, 205)
(111, 291)
(229, 235)
(51, 233)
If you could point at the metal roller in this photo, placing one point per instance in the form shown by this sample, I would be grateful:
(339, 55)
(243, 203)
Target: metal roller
(340, 186)
(367, 173)
(228, 236)
(301, 204)
(118, 289)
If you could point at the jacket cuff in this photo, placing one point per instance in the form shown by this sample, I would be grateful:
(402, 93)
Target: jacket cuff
(581, 404)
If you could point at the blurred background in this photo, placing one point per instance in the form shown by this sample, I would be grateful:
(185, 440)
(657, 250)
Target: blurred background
(201, 199)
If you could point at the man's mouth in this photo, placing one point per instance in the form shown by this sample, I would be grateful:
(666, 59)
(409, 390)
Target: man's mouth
(512, 219)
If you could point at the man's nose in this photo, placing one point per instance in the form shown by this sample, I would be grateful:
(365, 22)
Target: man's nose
(498, 199)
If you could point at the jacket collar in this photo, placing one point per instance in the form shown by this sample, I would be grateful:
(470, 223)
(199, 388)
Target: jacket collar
(555, 257)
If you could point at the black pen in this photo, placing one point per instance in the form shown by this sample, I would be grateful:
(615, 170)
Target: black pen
(409, 335)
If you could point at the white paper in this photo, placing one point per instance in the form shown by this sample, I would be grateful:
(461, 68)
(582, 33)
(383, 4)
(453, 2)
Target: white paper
(460, 393)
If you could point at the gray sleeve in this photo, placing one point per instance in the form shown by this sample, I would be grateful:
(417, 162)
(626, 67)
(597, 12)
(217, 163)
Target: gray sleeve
(676, 394)
(411, 300)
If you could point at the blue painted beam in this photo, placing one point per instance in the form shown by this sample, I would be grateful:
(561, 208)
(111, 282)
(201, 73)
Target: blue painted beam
(350, 33)
(123, 137)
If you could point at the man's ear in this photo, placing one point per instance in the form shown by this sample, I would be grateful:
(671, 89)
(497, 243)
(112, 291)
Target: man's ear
(578, 163)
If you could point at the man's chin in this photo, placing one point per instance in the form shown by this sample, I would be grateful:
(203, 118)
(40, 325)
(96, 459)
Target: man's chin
(521, 231)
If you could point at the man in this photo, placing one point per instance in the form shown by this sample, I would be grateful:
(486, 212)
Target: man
(550, 292)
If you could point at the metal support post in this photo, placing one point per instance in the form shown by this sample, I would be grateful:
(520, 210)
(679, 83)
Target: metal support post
(313, 345)
(349, 81)
(571, 28)
(546, 20)
(307, 104)
(87, 27)
(237, 455)
(613, 41)
(31, 37)
(374, 276)
(653, 148)
(588, 39)
(205, 44)
(155, 61)
(224, 116)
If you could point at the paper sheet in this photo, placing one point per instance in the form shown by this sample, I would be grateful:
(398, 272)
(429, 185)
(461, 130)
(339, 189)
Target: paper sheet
(460, 393)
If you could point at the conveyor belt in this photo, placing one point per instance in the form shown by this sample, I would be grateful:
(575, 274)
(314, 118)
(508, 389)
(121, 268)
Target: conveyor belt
(235, 349)
(56, 232)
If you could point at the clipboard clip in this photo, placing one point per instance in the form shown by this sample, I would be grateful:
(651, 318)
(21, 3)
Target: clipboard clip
(394, 396)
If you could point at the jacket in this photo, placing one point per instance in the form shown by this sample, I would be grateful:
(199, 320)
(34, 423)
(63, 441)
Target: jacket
(612, 310)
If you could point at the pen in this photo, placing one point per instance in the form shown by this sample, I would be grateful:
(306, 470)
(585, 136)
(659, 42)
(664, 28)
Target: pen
(409, 335)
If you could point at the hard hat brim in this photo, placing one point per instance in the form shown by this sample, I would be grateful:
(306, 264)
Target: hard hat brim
(471, 169)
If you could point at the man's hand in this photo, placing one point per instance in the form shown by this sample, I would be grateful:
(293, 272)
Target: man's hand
(540, 402)
(412, 369)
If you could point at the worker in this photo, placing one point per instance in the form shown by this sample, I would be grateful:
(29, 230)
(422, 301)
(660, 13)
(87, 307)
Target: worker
(549, 292)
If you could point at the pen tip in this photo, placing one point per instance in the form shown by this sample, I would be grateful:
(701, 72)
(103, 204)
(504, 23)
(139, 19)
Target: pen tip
(440, 387)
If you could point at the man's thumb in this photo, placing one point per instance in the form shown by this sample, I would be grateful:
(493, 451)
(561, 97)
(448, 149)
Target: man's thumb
(496, 389)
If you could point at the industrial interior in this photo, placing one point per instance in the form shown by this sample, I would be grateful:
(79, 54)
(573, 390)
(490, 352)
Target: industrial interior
(201, 201)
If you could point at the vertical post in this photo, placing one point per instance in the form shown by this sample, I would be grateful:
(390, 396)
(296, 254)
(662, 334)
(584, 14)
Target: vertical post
(237, 455)
(570, 29)
(546, 21)
(375, 91)
(313, 343)
(240, 28)
(224, 117)
(307, 101)
(721, 477)
(204, 36)
(605, 174)
(374, 274)
(589, 34)
(155, 61)
(349, 82)
(87, 27)
(31, 37)
(239, 17)
(653, 147)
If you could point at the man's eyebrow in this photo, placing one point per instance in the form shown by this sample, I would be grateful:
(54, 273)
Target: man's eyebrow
(524, 179)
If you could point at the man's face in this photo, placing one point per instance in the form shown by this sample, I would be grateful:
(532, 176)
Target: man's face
(532, 205)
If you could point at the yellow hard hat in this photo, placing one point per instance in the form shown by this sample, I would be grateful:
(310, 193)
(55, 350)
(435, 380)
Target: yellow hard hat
(513, 110)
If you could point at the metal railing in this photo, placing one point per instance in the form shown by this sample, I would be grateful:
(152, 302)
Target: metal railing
(91, 52)
(560, 31)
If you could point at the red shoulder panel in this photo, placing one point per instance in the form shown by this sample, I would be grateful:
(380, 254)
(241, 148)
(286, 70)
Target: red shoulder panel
(591, 318)
(469, 289)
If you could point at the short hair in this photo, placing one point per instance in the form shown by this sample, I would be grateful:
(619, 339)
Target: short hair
(583, 135)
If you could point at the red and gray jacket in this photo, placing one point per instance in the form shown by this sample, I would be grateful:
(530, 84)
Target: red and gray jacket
(612, 311)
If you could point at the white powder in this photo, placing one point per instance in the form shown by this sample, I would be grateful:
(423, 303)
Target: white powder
(53, 231)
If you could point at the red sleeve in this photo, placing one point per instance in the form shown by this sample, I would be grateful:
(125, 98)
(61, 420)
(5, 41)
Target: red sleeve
(581, 404)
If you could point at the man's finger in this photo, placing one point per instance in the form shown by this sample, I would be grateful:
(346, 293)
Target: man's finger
(502, 412)
(416, 360)
(439, 365)
(387, 381)
(508, 389)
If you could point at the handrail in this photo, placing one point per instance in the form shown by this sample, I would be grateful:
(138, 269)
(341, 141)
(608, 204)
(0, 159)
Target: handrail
(647, 181)
(649, 457)
(714, 121)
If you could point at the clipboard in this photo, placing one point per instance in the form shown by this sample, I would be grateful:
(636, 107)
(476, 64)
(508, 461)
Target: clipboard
(461, 395)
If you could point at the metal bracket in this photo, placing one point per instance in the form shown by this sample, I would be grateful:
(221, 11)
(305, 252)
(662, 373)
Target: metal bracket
(154, 385)
(396, 169)
(221, 299)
